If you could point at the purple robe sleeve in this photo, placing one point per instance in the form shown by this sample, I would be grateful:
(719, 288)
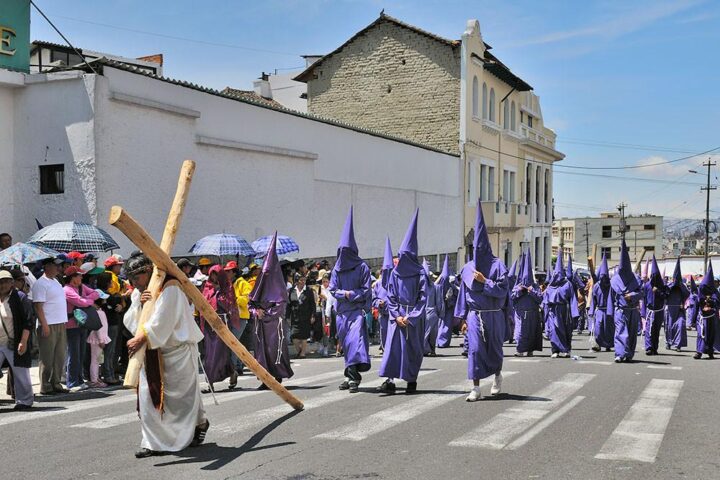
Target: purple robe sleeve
(574, 308)
(461, 309)
(496, 288)
(418, 310)
(363, 293)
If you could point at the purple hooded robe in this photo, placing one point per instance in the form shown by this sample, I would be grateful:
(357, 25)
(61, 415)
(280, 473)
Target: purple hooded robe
(692, 305)
(561, 309)
(707, 320)
(403, 352)
(270, 296)
(604, 327)
(434, 310)
(449, 296)
(481, 305)
(678, 293)
(350, 285)
(527, 297)
(625, 294)
(379, 293)
(655, 294)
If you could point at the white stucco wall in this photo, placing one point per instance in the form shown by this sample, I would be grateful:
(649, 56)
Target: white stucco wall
(140, 149)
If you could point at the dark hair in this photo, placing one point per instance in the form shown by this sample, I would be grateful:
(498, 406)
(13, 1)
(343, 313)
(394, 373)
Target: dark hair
(137, 263)
(5, 234)
(104, 280)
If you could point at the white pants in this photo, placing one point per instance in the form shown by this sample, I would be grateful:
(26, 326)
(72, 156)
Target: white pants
(21, 378)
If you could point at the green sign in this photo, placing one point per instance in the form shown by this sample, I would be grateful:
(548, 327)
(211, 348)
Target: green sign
(15, 35)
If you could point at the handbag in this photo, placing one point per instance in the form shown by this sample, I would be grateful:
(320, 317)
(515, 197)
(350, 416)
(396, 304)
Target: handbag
(87, 317)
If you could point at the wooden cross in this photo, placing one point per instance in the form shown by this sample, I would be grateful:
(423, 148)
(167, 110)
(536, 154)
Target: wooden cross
(163, 264)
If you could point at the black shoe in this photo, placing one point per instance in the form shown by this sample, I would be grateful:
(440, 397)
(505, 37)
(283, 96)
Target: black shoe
(697, 356)
(464, 354)
(20, 406)
(595, 349)
(411, 388)
(608, 349)
(200, 432)
(386, 387)
(649, 352)
(711, 356)
(145, 452)
(263, 387)
(354, 387)
(344, 385)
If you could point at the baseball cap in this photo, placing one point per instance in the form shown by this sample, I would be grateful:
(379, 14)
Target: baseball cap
(231, 265)
(184, 262)
(103, 295)
(72, 271)
(5, 275)
(60, 259)
(86, 267)
(112, 261)
(205, 262)
(75, 255)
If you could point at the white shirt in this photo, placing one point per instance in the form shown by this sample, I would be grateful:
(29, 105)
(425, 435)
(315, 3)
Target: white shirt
(7, 321)
(330, 301)
(50, 293)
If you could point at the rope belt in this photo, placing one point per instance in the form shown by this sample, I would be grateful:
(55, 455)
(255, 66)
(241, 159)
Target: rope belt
(481, 322)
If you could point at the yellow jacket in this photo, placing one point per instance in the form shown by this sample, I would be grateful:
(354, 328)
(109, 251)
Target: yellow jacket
(242, 294)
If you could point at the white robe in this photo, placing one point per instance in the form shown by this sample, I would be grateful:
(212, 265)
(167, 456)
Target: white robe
(172, 329)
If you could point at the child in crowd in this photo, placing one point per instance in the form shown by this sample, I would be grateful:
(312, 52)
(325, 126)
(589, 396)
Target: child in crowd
(97, 340)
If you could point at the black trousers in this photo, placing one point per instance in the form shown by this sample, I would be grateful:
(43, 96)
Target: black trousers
(353, 374)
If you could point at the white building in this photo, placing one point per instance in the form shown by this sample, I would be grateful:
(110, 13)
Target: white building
(76, 143)
(602, 235)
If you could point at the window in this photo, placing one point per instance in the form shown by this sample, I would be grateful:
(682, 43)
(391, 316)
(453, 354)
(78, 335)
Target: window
(607, 231)
(471, 183)
(511, 198)
(512, 116)
(530, 119)
(528, 183)
(649, 227)
(649, 249)
(506, 185)
(52, 179)
(485, 101)
(491, 106)
(483, 182)
(506, 115)
(491, 183)
(475, 97)
(607, 251)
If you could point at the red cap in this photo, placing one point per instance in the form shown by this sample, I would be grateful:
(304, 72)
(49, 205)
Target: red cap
(111, 262)
(75, 255)
(231, 265)
(72, 271)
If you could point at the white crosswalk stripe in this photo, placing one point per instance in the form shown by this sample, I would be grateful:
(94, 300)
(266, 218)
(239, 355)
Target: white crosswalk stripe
(640, 433)
(108, 422)
(390, 417)
(664, 367)
(497, 432)
(263, 417)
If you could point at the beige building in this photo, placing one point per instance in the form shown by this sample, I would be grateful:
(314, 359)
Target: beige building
(454, 95)
(643, 235)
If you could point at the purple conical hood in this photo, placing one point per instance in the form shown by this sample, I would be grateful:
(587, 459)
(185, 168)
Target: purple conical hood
(426, 266)
(693, 286)
(603, 271)
(624, 280)
(677, 274)
(558, 275)
(388, 256)
(408, 263)
(526, 276)
(270, 285)
(656, 280)
(482, 251)
(446, 268)
(514, 270)
(347, 252)
(709, 278)
(569, 269)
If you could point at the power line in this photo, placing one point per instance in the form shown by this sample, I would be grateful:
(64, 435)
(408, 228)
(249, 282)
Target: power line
(175, 37)
(632, 167)
(629, 146)
(633, 179)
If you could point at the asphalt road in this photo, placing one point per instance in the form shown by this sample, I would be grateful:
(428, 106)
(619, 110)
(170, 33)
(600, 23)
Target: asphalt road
(589, 418)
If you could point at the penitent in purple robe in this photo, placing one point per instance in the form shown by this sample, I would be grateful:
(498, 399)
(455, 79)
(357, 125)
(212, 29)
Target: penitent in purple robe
(509, 315)
(707, 320)
(481, 305)
(449, 296)
(654, 295)
(403, 352)
(604, 325)
(379, 296)
(527, 297)
(350, 286)
(678, 293)
(692, 306)
(561, 309)
(269, 296)
(434, 310)
(623, 306)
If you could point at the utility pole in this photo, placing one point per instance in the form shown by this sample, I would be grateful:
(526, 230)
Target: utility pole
(708, 164)
(623, 224)
(587, 240)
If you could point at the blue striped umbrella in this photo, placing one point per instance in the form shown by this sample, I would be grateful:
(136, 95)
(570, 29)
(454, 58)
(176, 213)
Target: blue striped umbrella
(25, 253)
(284, 245)
(223, 244)
(74, 237)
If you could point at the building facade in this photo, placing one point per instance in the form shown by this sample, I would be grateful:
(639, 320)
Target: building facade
(597, 236)
(76, 143)
(458, 97)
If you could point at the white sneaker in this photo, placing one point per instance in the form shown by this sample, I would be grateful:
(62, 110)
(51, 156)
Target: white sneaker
(554, 355)
(497, 384)
(564, 354)
(474, 395)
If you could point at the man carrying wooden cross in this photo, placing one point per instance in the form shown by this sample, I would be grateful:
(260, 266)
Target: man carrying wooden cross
(171, 412)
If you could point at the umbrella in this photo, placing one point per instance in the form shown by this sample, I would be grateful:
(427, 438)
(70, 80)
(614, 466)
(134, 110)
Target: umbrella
(24, 253)
(223, 244)
(284, 245)
(74, 236)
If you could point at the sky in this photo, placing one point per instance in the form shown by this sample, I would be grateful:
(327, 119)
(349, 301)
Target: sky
(622, 83)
